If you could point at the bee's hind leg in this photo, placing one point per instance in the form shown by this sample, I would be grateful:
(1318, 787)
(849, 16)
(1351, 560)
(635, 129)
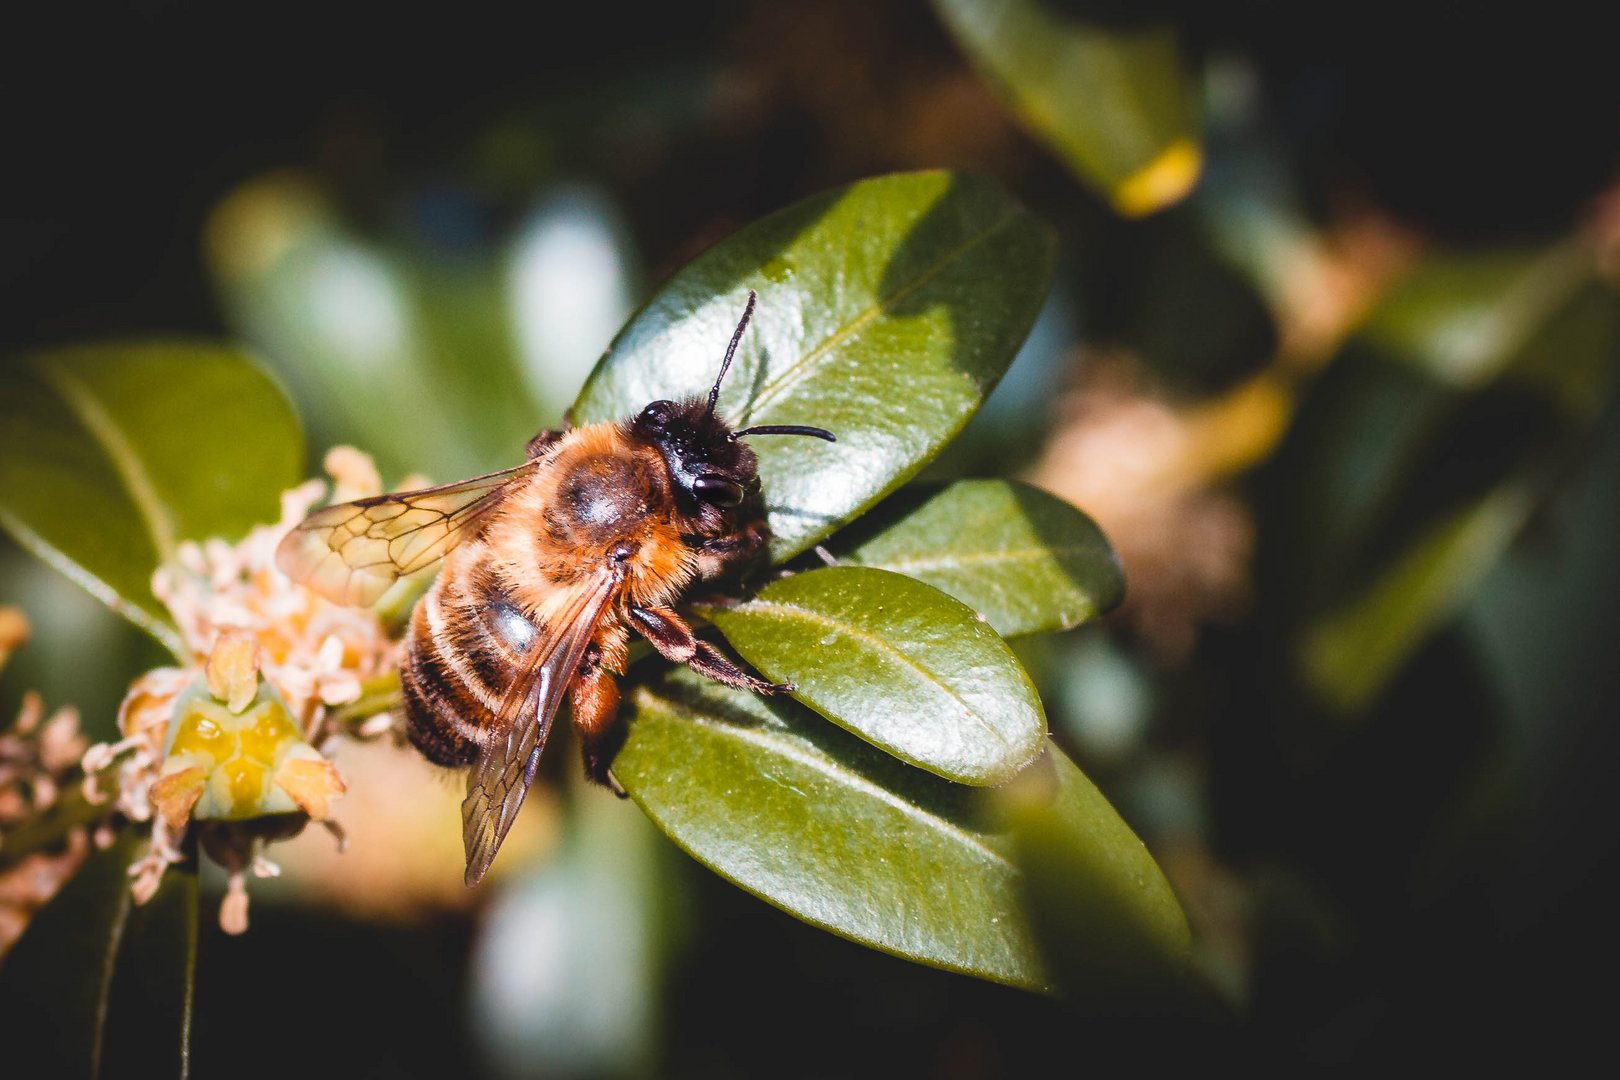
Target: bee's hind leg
(594, 701)
(675, 641)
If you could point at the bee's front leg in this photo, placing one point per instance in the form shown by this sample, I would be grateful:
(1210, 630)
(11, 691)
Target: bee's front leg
(737, 551)
(675, 641)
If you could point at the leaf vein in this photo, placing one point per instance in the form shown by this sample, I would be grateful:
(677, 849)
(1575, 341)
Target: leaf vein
(121, 452)
(879, 645)
(797, 371)
(54, 557)
(820, 763)
(952, 560)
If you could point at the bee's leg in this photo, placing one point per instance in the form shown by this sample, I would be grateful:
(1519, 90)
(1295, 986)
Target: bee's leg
(594, 698)
(538, 444)
(675, 641)
(721, 556)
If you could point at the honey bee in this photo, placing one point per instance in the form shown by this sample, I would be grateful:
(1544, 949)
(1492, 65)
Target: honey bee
(547, 568)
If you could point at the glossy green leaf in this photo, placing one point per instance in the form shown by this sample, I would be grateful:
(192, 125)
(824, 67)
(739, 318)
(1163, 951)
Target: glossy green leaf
(1026, 561)
(797, 811)
(1107, 921)
(888, 309)
(95, 978)
(1114, 103)
(845, 837)
(111, 455)
(897, 662)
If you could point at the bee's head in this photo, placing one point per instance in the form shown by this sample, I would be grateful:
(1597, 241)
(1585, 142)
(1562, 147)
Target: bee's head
(707, 461)
(710, 464)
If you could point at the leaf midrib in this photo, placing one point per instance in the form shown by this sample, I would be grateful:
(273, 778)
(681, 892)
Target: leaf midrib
(81, 576)
(828, 767)
(797, 371)
(121, 453)
(1038, 555)
(879, 645)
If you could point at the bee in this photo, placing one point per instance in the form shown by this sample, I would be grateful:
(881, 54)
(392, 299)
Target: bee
(548, 567)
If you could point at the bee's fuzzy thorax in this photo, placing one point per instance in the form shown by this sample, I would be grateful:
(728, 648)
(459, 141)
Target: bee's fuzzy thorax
(596, 489)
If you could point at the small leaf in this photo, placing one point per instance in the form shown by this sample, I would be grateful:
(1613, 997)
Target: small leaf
(1026, 561)
(111, 455)
(94, 978)
(897, 662)
(1114, 103)
(888, 309)
(826, 827)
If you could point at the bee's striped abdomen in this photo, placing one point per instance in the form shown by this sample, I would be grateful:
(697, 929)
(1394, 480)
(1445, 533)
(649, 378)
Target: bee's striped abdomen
(467, 642)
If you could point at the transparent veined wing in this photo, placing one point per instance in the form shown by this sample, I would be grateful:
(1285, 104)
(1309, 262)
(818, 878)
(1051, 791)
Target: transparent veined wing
(352, 552)
(505, 767)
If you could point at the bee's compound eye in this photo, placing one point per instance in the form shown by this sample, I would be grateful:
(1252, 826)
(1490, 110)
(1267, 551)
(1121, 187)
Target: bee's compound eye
(658, 413)
(717, 491)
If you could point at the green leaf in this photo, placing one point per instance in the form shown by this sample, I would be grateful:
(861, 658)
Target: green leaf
(835, 832)
(1199, 325)
(1103, 913)
(1351, 653)
(1114, 103)
(1026, 561)
(897, 662)
(845, 837)
(110, 455)
(888, 309)
(95, 978)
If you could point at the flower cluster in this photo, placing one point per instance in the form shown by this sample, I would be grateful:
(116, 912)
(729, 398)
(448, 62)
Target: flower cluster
(315, 652)
(229, 745)
(37, 754)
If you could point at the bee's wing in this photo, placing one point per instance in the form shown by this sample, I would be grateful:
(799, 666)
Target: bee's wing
(505, 768)
(350, 553)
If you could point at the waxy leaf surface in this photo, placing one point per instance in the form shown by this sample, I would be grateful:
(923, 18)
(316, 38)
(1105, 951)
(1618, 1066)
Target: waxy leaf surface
(1026, 561)
(110, 455)
(899, 663)
(837, 833)
(887, 310)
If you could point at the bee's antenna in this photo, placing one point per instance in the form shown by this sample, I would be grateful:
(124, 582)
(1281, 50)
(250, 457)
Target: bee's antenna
(787, 429)
(731, 350)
